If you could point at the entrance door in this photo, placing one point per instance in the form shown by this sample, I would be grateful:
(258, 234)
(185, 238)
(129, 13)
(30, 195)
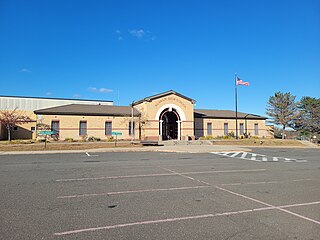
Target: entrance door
(169, 124)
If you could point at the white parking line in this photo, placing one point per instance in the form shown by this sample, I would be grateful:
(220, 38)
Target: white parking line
(166, 220)
(158, 174)
(261, 202)
(257, 157)
(133, 191)
(176, 188)
(270, 205)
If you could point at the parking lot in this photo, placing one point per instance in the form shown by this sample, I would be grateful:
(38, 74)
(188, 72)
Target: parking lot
(264, 194)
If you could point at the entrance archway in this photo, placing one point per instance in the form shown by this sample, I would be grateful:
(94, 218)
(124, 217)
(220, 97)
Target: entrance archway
(169, 124)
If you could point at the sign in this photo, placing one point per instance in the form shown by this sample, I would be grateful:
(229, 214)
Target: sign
(46, 132)
(116, 133)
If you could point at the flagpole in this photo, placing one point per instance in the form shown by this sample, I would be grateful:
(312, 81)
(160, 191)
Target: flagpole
(236, 99)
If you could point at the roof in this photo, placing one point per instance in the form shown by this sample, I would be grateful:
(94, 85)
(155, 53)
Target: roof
(160, 95)
(207, 113)
(52, 98)
(88, 110)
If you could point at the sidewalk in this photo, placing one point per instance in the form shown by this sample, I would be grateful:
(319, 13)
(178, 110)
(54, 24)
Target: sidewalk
(176, 148)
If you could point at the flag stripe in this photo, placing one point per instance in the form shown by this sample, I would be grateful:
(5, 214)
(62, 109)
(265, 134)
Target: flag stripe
(241, 82)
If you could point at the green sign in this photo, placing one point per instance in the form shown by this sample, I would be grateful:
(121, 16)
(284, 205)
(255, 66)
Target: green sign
(46, 132)
(116, 133)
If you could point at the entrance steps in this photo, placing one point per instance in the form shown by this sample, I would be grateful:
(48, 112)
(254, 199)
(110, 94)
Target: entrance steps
(190, 142)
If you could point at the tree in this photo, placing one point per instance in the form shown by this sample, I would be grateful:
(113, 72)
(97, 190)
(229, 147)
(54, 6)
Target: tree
(283, 110)
(10, 118)
(309, 119)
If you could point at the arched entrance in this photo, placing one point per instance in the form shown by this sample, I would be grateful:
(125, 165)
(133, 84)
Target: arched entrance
(169, 124)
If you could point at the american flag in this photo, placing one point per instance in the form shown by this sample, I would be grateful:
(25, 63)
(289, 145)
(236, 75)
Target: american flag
(241, 82)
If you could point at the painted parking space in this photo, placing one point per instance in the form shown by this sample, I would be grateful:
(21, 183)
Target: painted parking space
(172, 196)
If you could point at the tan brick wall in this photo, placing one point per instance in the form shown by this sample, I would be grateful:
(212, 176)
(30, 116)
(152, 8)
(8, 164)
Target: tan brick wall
(218, 127)
(69, 126)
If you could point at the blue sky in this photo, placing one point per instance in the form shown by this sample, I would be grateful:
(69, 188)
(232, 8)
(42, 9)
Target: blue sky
(126, 50)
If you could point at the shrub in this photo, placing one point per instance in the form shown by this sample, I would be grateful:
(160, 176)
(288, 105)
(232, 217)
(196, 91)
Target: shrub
(231, 134)
(110, 139)
(68, 140)
(206, 138)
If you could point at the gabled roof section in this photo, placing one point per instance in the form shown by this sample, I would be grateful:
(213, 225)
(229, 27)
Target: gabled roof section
(210, 113)
(88, 110)
(160, 95)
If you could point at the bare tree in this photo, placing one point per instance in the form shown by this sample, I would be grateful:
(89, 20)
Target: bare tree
(283, 110)
(10, 118)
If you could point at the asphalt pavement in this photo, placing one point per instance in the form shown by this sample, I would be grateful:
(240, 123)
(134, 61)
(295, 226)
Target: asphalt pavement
(264, 193)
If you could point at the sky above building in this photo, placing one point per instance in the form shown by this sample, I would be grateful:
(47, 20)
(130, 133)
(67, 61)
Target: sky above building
(127, 50)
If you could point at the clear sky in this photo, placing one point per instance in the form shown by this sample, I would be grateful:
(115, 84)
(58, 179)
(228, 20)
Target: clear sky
(127, 50)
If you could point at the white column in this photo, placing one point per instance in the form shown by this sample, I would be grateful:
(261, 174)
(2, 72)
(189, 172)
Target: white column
(179, 130)
(160, 136)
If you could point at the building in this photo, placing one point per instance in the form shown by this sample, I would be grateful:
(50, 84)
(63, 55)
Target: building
(27, 106)
(165, 116)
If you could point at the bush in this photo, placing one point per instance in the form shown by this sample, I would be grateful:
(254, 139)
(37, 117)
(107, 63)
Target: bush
(92, 139)
(231, 134)
(68, 140)
(110, 139)
(206, 138)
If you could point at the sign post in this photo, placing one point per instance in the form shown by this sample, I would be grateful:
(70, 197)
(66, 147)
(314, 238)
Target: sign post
(46, 133)
(116, 134)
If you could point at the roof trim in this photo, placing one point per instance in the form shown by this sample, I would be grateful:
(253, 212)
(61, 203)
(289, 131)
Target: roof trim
(156, 96)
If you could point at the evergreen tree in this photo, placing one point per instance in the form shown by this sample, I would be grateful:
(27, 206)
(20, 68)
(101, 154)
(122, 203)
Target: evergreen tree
(283, 110)
(309, 119)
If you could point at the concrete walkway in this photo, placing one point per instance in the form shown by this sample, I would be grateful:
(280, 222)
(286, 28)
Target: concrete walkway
(176, 148)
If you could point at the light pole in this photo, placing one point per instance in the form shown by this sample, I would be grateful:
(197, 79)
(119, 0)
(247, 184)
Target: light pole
(131, 127)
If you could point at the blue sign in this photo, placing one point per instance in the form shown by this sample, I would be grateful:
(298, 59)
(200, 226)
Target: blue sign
(116, 133)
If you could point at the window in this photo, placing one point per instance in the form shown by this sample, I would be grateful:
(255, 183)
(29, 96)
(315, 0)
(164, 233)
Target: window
(108, 128)
(241, 129)
(15, 128)
(131, 133)
(209, 129)
(226, 130)
(33, 129)
(256, 129)
(83, 128)
(55, 126)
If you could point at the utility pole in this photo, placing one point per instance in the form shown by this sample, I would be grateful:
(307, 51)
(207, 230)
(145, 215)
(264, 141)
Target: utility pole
(236, 98)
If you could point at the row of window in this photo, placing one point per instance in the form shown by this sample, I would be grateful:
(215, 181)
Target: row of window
(226, 129)
(55, 126)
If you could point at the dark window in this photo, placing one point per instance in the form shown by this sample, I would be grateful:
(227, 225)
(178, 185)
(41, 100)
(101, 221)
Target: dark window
(108, 128)
(83, 128)
(209, 129)
(256, 129)
(241, 129)
(226, 129)
(15, 128)
(131, 133)
(55, 126)
(33, 129)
